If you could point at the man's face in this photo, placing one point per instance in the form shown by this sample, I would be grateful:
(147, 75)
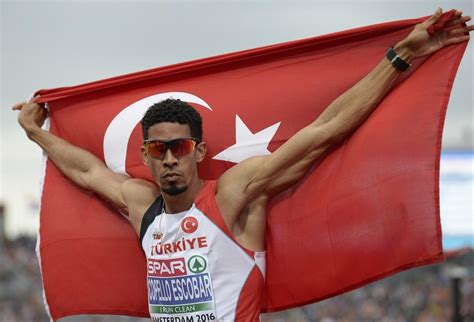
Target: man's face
(172, 173)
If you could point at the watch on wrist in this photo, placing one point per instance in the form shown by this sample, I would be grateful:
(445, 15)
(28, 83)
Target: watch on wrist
(396, 60)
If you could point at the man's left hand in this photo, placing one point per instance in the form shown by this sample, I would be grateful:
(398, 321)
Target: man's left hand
(420, 43)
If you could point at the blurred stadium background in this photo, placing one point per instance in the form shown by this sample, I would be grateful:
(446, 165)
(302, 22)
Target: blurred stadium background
(442, 292)
(77, 30)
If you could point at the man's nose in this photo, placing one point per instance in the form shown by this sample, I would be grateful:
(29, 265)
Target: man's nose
(169, 160)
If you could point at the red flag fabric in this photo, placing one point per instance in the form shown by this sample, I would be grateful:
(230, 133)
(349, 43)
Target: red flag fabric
(368, 210)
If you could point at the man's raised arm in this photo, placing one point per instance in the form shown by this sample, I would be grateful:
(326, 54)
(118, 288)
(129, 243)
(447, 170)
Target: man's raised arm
(271, 174)
(84, 168)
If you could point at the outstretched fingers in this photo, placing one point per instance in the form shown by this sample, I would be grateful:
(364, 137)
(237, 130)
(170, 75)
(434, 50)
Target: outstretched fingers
(456, 22)
(460, 31)
(457, 40)
(456, 29)
(459, 35)
(18, 106)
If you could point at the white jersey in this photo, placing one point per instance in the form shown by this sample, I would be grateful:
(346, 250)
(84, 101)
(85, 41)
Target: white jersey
(196, 270)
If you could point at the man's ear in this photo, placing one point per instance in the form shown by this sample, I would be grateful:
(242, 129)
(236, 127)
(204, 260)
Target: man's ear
(145, 157)
(201, 150)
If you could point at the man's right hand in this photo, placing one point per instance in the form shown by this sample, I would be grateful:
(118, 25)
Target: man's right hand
(32, 115)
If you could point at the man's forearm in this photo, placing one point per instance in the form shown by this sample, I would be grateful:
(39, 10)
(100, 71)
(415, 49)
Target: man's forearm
(350, 109)
(72, 161)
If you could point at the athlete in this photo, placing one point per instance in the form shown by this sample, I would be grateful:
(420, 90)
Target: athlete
(204, 241)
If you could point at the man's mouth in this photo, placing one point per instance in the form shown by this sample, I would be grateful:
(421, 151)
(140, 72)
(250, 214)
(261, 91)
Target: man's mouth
(171, 176)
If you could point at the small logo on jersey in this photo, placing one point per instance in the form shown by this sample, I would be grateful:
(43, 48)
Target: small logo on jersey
(189, 225)
(157, 236)
(197, 264)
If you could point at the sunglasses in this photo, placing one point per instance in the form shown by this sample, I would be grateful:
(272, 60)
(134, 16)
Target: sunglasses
(178, 147)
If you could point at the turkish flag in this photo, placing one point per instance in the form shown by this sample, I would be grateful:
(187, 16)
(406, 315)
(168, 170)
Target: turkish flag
(369, 209)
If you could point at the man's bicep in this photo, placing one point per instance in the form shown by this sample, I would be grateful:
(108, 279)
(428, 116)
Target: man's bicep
(273, 173)
(108, 185)
(131, 196)
(291, 175)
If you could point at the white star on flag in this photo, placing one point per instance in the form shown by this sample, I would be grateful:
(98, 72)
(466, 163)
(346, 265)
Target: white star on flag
(247, 144)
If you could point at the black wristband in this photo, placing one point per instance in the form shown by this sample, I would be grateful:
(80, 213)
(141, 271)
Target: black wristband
(396, 60)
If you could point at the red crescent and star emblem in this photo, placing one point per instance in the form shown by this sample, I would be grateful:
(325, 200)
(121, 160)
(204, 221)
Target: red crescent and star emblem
(189, 225)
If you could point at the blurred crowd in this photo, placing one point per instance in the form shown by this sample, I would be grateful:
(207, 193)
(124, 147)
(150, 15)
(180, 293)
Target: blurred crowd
(20, 282)
(420, 295)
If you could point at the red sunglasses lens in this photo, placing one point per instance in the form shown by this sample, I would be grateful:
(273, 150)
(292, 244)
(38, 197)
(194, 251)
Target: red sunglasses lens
(181, 147)
(156, 149)
(178, 147)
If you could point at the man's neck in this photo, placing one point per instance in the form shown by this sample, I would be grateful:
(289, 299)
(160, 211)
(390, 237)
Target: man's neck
(183, 201)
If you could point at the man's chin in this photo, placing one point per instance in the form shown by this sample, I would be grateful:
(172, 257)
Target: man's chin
(173, 190)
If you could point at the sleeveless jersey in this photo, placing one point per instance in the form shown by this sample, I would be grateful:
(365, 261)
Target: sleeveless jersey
(196, 270)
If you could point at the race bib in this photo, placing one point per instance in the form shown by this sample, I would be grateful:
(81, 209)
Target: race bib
(180, 289)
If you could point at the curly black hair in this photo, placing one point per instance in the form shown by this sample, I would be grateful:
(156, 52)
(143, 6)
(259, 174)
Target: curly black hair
(173, 111)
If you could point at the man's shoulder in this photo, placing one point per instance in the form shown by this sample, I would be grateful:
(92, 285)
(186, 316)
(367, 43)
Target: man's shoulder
(139, 195)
